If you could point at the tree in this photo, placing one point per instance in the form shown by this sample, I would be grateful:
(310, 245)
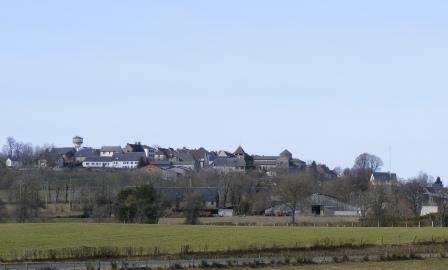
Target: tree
(9, 147)
(293, 190)
(365, 165)
(368, 162)
(192, 208)
(3, 212)
(442, 205)
(413, 192)
(377, 199)
(138, 205)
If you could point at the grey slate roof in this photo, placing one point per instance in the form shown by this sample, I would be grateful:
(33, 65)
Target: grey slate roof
(264, 157)
(98, 159)
(200, 153)
(384, 176)
(285, 153)
(87, 152)
(185, 156)
(115, 149)
(229, 162)
(240, 151)
(133, 156)
(161, 163)
(61, 150)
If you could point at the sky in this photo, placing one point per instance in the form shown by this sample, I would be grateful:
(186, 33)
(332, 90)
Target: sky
(327, 80)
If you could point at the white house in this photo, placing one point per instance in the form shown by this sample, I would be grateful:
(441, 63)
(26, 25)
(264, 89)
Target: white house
(12, 163)
(383, 178)
(119, 161)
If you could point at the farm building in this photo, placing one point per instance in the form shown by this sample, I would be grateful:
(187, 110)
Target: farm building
(321, 204)
(226, 212)
(316, 204)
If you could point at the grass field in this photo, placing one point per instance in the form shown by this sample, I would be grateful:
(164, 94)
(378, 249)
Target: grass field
(270, 220)
(169, 238)
(432, 264)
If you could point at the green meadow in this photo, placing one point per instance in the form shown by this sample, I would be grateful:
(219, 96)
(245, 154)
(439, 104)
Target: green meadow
(170, 238)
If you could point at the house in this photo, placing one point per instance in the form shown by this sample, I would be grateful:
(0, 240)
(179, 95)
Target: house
(229, 164)
(202, 156)
(432, 193)
(238, 161)
(82, 154)
(109, 151)
(383, 178)
(118, 161)
(61, 156)
(139, 148)
(150, 152)
(136, 147)
(12, 163)
(97, 162)
(42, 163)
(241, 154)
(184, 158)
(129, 160)
(164, 153)
(272, 164)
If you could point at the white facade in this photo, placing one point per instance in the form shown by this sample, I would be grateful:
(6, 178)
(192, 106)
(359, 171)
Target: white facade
(225, 212)
(348, 213)
(150, 153)
(429, 209)
(106, 154)
(12, 163)
(118, 164)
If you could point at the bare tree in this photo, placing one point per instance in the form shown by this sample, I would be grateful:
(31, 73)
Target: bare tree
(377, 199)
(442, 204)
(413, 192)
(368, 162)
(192, 208)
(293, 190)
(9, 147)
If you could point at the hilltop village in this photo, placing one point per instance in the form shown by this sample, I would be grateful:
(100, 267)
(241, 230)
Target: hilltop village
(231, 182)
(168, 160)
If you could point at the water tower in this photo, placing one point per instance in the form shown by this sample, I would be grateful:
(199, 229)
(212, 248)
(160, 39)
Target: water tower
(77, 141)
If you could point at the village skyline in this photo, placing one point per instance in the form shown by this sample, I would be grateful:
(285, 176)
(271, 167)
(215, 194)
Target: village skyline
(133, 155)
(326, 81)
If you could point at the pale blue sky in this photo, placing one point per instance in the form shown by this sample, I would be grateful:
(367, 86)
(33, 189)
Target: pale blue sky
(326, 79)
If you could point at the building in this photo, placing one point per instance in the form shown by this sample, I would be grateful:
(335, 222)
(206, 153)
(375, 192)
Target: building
(238, 161)
(202, 156)
(383, 178)
(226, 212)
(82, 154)
(283, 162)
(229, 164)
(12, 163)
(117, 161)
(109, 151)
(61, 156)
(432, 194)
(150, 152)
(164, 153)
(97, 162)
(316, 204)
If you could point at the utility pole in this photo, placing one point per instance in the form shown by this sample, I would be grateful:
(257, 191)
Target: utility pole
(390, 163)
